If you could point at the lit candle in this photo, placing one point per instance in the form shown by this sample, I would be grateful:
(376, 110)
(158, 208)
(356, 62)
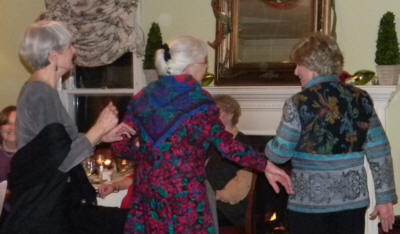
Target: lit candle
(99, 159)
(101, 169)
(107, 163)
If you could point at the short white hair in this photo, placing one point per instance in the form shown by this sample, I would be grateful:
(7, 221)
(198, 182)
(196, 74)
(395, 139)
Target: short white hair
(40, 39)
(184, 50)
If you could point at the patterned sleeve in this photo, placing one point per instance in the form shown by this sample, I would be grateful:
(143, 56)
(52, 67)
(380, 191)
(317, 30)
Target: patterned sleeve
(282, 147)
(128, 147)
(232, 149)
(377, 150)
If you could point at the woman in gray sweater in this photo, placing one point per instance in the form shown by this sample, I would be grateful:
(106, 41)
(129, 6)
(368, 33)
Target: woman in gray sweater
(47, 50)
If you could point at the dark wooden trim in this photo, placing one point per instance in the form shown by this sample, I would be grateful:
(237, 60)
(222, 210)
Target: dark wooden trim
(259, 74)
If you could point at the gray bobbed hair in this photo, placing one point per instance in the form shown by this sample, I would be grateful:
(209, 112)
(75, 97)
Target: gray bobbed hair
(319, 53)
(184, 50)
(40, 38)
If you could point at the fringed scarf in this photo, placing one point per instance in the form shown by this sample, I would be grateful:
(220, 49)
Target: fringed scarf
(160, 108)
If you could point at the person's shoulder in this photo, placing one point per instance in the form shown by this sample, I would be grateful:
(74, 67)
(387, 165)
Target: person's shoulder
(299, 97)
(36, 91)
(39, 88)
(212, 111)
(357, 89)
(208, 94)
(358, 92)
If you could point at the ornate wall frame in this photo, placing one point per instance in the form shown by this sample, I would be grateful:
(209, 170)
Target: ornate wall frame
(230, 71)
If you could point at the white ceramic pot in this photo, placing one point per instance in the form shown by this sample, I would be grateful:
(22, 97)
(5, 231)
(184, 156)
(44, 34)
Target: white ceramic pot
(388, 74)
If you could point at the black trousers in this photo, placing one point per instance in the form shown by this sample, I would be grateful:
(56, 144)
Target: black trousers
(341, 222)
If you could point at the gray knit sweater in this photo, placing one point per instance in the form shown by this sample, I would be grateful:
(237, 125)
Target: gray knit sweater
(39, 105)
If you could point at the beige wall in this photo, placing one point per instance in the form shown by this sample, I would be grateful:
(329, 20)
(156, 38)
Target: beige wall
(182, 17)
(356, 29)
(15, 15)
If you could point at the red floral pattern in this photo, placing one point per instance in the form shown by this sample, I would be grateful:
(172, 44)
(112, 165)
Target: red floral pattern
(169, 191)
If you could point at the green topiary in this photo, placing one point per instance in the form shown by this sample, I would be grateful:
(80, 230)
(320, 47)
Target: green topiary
(154, 42)
(387, 46)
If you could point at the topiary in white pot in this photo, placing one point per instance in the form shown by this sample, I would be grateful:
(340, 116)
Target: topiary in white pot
(387, 56)
(154, 42)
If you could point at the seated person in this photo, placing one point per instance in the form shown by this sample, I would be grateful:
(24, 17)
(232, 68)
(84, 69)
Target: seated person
(8, 147)
(230, 182)
(8, 139)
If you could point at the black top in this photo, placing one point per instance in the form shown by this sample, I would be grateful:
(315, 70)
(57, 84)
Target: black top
(219, 172)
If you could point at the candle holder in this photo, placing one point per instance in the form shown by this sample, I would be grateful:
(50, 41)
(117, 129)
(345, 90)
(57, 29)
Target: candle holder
(100, 167)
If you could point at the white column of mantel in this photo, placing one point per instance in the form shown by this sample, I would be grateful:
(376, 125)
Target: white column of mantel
(381, 95)
(262, 111)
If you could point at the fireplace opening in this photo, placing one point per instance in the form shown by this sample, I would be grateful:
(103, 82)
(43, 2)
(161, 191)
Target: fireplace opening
(268, 208)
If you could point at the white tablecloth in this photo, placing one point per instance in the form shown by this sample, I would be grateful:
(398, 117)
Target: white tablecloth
(112, 200)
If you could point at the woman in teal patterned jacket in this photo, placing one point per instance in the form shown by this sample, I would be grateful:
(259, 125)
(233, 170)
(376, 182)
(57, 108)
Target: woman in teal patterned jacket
(326, 130)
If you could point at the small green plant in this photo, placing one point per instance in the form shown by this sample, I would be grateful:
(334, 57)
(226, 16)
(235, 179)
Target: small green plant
(154, 42)
(387, 45)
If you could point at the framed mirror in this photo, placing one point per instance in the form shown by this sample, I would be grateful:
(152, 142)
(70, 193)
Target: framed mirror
(254, 38)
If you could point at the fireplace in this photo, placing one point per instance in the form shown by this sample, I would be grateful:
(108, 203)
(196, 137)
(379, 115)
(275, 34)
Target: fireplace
(266, 211)
(262, 111)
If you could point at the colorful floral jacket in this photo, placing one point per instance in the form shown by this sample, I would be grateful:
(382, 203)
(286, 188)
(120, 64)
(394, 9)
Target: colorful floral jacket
(169, 154)
(326, 130)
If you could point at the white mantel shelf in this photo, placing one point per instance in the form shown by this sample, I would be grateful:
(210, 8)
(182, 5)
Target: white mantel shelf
(262, 105)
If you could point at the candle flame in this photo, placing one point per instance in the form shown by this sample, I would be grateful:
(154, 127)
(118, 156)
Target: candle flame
(99, 159)
(273, 217)
(107, 162)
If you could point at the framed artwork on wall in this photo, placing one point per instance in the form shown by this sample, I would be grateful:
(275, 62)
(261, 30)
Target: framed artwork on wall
(254, 38)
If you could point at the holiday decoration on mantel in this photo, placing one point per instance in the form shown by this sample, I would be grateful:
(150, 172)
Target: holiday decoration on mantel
(281, 4)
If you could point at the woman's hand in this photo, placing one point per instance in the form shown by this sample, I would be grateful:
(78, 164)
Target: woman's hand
(276, 175)
(117, 133)
(106, 121)
(105, 189)
(386, 215)
(108, 118)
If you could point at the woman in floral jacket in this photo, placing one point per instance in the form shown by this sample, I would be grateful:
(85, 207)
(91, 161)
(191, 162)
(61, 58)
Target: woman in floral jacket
(326, 131)
(176, 122)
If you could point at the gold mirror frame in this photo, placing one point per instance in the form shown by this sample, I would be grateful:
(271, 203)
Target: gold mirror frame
(231, 72)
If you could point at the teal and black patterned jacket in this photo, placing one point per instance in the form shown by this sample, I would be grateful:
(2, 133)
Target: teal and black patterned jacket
(326, 130)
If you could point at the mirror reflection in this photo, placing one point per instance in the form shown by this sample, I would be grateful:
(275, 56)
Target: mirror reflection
(274, 27)
(254, 38)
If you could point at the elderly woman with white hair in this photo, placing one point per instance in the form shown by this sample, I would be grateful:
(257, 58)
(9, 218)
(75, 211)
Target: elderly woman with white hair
(176, 121)
(50, 192)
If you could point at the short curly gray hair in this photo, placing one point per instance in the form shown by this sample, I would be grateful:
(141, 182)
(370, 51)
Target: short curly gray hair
(229, 105)
(40, 38)
(184, 50)
(319, 53)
